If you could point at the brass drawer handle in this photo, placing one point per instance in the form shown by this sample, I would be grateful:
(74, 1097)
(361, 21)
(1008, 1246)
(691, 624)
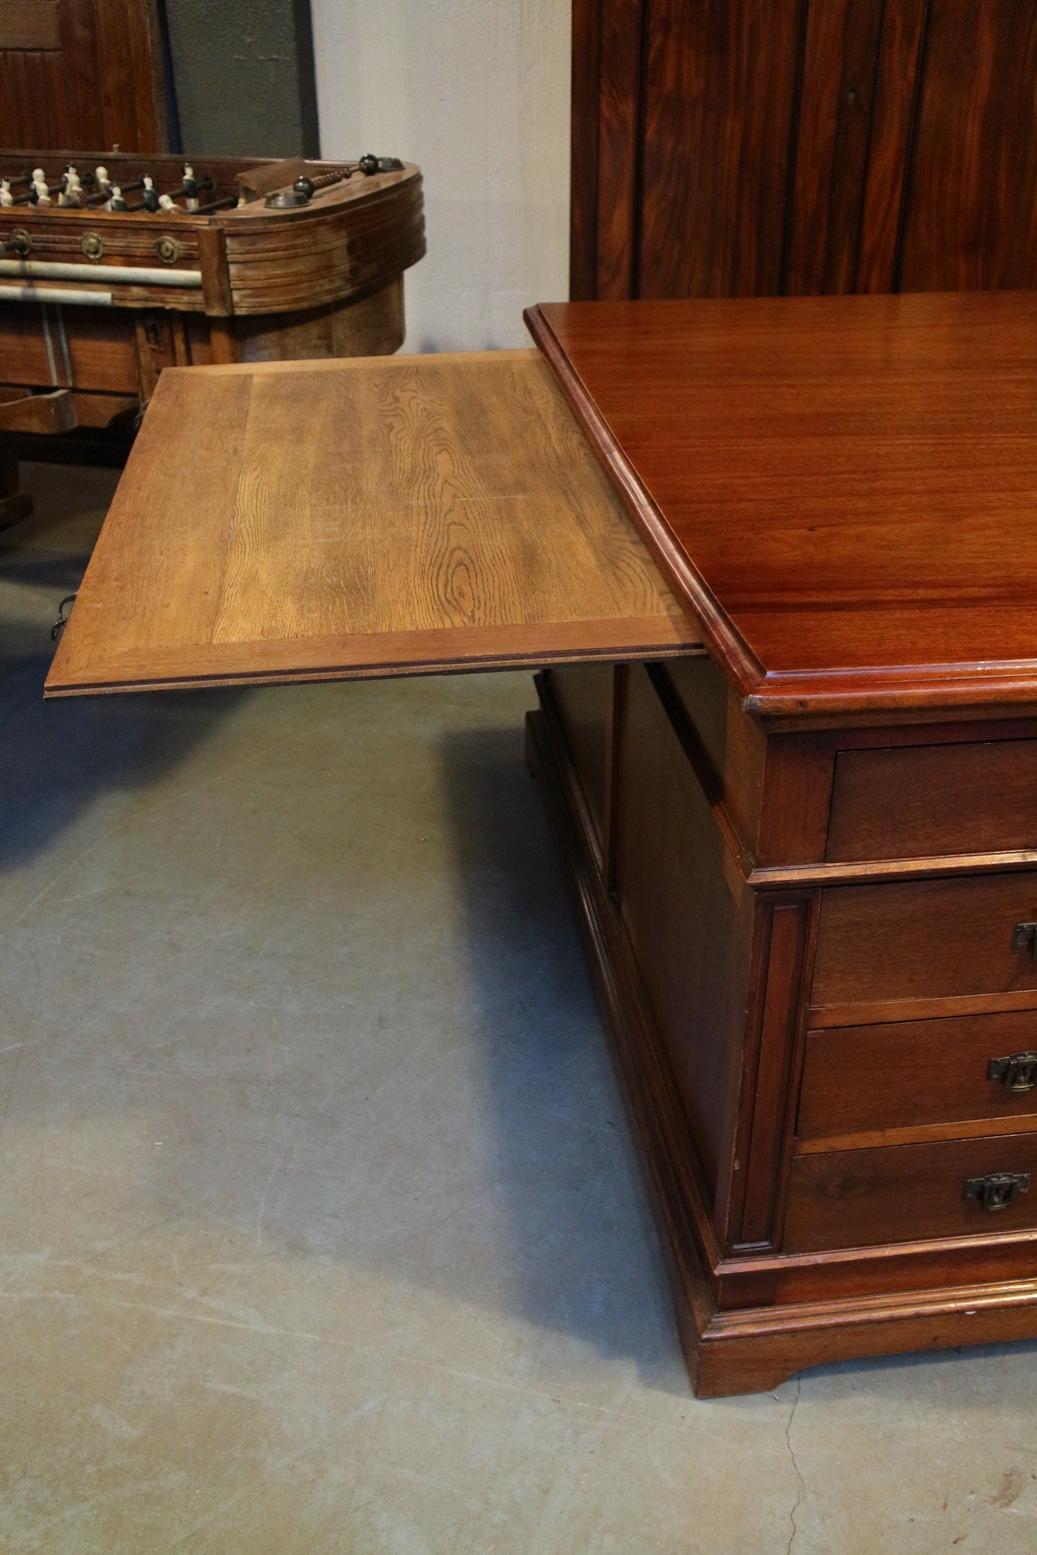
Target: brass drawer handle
(1018, 1072)
(997, 1190)
(1024, 937)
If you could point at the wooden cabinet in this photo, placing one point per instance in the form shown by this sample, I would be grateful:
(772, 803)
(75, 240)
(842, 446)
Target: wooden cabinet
(757, 147)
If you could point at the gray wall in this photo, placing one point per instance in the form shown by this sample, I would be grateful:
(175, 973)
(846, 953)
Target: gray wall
(477, 92)
(243, 76)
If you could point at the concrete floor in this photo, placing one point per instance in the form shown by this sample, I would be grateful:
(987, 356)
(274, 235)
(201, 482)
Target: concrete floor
(320, 1230)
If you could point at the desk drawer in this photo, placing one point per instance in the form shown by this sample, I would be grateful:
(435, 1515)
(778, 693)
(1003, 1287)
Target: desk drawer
(915, 801)
(904, 1074)
(858, 1198)
(924, 948)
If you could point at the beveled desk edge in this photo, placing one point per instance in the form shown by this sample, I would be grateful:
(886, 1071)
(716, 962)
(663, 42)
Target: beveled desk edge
(902, 690)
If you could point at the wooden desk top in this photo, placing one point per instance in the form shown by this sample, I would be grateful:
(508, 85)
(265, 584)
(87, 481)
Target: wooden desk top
(380, 516)
(842, 489)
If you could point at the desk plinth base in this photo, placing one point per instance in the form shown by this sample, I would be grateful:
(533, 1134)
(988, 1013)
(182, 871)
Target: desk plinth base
(744, 1349)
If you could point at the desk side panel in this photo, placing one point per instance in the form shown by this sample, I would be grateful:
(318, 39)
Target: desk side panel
(582, 698)
(690, 921)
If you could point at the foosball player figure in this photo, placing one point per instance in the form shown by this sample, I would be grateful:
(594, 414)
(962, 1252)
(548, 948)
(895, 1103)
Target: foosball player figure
(6, 197)
(115, 201)
(190, 187)
(149, 197)
(71, 187)
(39, 194)
(104, 183)
(167, 203)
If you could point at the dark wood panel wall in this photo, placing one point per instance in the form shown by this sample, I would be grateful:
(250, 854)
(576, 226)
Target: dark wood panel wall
(748, 147)
(82, 73)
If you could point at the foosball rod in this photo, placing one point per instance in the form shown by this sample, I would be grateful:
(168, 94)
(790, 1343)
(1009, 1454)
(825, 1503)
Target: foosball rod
(222, 204)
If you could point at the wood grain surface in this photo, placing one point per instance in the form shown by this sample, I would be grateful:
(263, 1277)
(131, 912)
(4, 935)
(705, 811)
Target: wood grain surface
(911, 1075)
(82, 70)
(831, 145)
(749, 1317)
(841, 488)
(971, 217)
(923, 941)
(737, 147)
(931, 800)
(718, 116)
(844, 488)
(858, 1198)
(305, 521)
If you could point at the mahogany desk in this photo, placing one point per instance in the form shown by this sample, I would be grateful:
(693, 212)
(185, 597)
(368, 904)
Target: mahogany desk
(799, 816)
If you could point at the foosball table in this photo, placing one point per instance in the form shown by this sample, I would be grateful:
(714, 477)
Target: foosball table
(113, 266)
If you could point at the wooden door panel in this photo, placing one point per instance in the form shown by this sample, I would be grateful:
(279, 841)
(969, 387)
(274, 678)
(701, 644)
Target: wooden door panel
(831, 147)
(894, 99)
(81, 73)
(971, 217)
(734, 147)
(29, 26)
(719, 112)
(52, 95)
